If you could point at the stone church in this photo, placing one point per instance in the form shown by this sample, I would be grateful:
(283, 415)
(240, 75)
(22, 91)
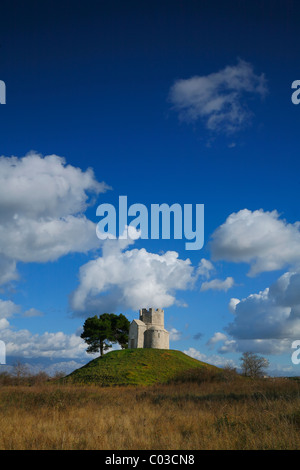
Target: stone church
(149, 331)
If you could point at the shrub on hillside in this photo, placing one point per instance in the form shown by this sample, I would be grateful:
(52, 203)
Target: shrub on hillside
(205, 375)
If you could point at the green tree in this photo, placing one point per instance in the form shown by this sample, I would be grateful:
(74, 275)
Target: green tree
(253, 365)
(99, 332)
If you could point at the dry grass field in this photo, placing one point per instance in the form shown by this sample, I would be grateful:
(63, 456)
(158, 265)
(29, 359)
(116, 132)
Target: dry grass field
(230, 412)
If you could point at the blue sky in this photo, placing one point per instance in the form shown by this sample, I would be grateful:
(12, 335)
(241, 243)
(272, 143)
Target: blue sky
(165, 102)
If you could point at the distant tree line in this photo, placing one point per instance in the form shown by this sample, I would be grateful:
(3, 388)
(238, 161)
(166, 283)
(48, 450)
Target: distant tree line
(20, 374)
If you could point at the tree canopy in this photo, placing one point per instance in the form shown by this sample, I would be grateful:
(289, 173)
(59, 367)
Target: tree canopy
(253, 365)
(100, 332)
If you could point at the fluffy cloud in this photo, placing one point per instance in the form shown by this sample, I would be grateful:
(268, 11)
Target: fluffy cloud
(260, 346)
(50, 352)
(130, 279)
(218, 284)
(260, 238)
(47, 239)
(175, 335)
(216, 338)
(33, 312)
(273, 313)
(42, 204)
(238, 345)
(215, 360)
(8, 309)
(266, 322)
(218, 99)
(232, 304)
(8, 269)
(22, 343)
(44, 187)
(3, 323)
(205, 268)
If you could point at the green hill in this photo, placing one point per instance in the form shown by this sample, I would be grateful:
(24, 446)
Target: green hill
(135, 367)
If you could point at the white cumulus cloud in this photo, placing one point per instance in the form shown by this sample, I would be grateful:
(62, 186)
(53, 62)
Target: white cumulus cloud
(216, 338)
(205, 268)
(8, 308)
(23, 343)
(265, 322)
(214, 359)
(130, 279)
(273, 313)
(218, 284)
(42, 205)
(259, 238)
(218, 99)
(175, 335)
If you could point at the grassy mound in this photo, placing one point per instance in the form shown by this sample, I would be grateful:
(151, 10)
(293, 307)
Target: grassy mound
(135, 367)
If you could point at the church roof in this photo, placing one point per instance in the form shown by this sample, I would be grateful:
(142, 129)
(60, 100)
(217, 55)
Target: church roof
(138, 322)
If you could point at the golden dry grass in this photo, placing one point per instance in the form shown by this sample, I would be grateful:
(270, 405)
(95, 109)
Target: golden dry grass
(238, 414)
